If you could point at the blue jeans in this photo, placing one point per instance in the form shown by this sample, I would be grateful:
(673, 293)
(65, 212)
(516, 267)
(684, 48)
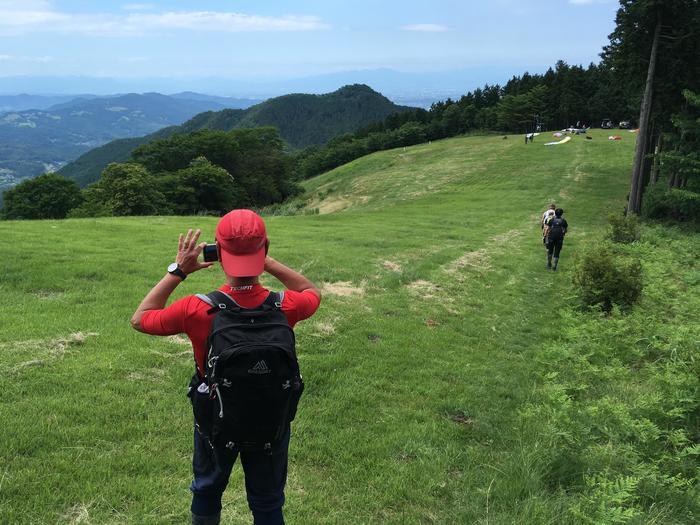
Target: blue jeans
(265, 477)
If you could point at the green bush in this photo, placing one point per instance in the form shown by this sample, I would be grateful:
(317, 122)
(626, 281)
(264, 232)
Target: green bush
(606, 279)
(293, 207)
(661, 202)
(624, 228)
(47, 196)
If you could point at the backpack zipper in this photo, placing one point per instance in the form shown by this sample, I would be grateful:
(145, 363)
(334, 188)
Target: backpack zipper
(249, 325)
(235, 348)
(221, 403)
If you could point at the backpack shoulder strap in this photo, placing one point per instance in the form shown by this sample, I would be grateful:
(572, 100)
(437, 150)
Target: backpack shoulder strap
(218, 301)
(205, 298)
(274, 300)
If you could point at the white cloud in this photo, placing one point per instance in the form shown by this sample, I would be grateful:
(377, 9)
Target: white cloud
(138, 7)
(426, 28)
(225, 22)
(6, 57)
(39, 16)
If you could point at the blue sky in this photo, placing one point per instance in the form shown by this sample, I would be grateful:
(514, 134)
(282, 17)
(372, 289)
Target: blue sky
(249, 39)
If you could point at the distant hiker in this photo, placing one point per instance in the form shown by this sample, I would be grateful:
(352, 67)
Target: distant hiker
(243, 346)
(549, 213)
(556, 230)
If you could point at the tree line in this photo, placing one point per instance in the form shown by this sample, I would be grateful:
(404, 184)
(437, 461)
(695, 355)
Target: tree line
(204, 172)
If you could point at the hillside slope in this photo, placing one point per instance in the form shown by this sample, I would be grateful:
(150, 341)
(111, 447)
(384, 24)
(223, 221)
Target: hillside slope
(449, 377)
(431, 171)
(302, 120)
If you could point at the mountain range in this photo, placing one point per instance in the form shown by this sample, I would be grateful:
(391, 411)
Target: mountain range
(25, 101)
(302, 120)
(399, 86)
(33, 141)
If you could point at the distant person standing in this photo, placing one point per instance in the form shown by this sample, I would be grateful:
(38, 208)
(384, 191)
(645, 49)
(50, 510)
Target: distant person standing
(556, 230)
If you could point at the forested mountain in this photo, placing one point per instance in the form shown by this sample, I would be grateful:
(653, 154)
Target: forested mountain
(302, 119)
(34, 141)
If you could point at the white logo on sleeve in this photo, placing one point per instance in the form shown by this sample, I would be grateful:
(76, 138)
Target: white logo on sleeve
(259, 368)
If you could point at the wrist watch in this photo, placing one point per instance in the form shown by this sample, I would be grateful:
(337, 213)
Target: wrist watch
(174, 269)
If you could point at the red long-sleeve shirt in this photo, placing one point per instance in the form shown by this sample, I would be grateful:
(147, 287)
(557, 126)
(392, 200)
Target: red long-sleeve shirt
(189, 315)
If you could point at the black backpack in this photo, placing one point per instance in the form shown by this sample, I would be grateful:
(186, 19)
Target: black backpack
(252, 384)
(556, 229)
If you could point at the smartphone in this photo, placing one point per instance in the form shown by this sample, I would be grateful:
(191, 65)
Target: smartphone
(210, 254)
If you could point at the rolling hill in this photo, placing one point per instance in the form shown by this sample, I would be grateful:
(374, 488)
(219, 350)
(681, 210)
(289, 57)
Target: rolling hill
(34, 141)
(302, 119)
(449, 377)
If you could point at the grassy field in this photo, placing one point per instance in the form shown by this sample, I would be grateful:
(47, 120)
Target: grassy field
(450, 377)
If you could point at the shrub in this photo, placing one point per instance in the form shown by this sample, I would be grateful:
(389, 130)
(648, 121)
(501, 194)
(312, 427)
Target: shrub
(47, 196)
(664, 203)
(293, 207)
(624, 228)
(606, 279)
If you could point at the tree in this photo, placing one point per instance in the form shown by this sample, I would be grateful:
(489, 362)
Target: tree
(254, 160)
(636, 187)
(682, 161)
(176, 152)
(124, 189)
(201, 187)
(411, 133)
(262, 168)
(516, 112)
(47, 196)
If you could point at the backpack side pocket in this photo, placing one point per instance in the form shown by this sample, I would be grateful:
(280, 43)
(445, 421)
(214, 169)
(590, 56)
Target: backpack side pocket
(202, 405)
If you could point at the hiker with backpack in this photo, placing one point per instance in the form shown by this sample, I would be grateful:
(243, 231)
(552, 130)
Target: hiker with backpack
(247, 383)
(556, 230)
(548, 214)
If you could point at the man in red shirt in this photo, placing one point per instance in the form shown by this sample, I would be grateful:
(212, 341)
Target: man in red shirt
(242, 246)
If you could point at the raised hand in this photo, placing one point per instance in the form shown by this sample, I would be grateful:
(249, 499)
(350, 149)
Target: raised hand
(188, 252)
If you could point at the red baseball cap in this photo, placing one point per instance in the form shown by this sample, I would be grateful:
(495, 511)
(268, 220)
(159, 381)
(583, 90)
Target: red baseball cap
(242, 239)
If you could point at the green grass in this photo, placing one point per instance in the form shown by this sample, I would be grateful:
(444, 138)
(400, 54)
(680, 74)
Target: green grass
(460, 384)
